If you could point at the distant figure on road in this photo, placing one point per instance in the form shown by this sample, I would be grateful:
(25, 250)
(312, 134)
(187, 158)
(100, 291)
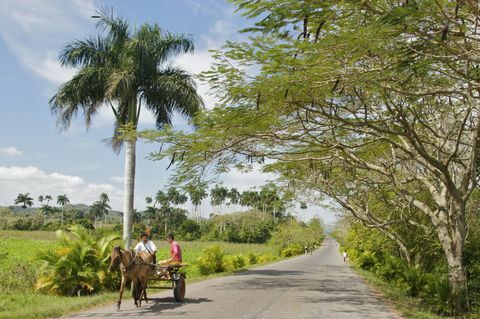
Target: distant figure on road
(345, 257)
(175, 252)
(147, 245)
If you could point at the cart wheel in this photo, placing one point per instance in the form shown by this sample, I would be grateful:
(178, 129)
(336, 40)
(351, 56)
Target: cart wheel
(179, 288)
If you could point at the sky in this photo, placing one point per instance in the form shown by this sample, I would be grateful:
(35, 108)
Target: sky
(37, 158)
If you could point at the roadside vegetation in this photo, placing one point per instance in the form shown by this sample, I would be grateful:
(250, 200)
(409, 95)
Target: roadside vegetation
(418, 286)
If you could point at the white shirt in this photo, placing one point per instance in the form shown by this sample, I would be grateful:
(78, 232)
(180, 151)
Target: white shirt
(143, 247)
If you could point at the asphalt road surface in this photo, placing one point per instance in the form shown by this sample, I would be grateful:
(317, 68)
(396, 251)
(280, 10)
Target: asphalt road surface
(309, 286)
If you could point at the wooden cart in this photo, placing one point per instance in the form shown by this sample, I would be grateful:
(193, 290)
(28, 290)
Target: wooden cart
(172, 274)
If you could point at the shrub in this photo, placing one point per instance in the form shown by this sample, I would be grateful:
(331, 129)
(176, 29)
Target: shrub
(252, 258)
(266, 258)
(78, 266)
(414, 278)
(436, 292)
(232, 263)
(211, 261)
(391, 268)
(292, 250)
(366, 260)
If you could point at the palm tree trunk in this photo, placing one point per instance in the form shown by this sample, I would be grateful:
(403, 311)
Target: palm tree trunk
(129, 191)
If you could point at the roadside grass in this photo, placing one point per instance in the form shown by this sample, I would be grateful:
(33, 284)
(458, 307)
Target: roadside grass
(410, 308)
(19, 271)
(37, 306)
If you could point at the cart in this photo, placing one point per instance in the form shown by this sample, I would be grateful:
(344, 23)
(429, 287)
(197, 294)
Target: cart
(174, 274)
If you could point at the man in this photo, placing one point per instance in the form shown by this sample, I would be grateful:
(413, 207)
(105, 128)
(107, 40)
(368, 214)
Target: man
(147, 246)
(175, 252)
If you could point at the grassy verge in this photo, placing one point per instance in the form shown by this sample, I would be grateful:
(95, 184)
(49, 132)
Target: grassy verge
(37, 306)
(410, 308)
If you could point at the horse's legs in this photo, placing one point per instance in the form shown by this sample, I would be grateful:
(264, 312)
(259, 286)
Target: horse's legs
(122, 288)
(145, 283)
(135, 291)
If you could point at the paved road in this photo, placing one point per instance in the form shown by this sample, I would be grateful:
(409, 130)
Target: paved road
(310, 286)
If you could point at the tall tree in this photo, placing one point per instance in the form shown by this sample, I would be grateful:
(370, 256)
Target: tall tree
(25, 200)
(197, 191)
(62, 200)
(374, 92)
(123, 69)
(218, 195)
(175, 197)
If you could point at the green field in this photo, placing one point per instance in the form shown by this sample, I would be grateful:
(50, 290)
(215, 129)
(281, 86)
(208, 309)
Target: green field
(19, 271)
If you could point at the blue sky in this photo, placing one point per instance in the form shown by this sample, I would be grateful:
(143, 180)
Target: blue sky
(34, 156)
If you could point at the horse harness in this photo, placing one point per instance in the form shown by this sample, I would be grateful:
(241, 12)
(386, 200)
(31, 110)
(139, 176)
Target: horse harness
(132, 263)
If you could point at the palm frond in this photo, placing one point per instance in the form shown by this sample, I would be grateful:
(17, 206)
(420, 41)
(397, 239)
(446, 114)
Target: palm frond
(171, 90)
(93, 51)
(85, 91)
(116, 27)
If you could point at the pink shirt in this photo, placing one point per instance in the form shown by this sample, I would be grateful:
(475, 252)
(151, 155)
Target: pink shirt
(175, 252)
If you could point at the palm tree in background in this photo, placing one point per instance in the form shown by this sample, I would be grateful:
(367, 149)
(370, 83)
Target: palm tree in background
(124, 69)
(41, 199)
(100, 209)
(197, 192)
(234, 197)
(218, 194)
(62, 200)
(25, 200)
(175, 197)
(48, 198)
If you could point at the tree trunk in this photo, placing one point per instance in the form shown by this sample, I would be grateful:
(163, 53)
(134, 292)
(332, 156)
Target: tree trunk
(129, 191)
(453, 244)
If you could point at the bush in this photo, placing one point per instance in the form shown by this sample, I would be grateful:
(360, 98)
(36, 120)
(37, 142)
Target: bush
(78, 266)
(232, 263)
(211, 261)
(366, 260)
(252, 258)
(414, 278)
(391, 269)
(436, 292)
(292, 250)
(263, 259)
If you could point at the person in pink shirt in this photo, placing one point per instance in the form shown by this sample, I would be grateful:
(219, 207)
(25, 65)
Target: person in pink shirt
(175, 252)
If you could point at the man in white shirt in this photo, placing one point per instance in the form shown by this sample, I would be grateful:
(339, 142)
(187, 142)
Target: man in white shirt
(147, 246)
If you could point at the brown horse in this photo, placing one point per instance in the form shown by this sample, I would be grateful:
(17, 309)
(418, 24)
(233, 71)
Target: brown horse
(134, 266)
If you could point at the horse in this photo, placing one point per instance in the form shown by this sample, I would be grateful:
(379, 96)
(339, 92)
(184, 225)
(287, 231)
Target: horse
(134, 266)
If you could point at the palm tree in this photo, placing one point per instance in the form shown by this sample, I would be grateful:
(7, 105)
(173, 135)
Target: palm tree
(62, 200)
(234, 196)
(48, 198)
(104, 200)
(41, 199)
(197, 192)
(124, 69)
(148, 200)
(46, 210)
(25, 200)
(175, 197)
(136, 218)
(150, 213)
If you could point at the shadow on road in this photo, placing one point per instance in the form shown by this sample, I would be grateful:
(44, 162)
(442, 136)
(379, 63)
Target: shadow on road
(153, 308)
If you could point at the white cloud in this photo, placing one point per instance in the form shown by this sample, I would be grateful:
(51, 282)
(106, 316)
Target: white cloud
(31, 179)
(34, 31)
(11, 151)
(118, 179)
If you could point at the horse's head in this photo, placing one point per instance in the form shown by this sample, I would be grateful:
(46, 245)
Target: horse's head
(115, 258)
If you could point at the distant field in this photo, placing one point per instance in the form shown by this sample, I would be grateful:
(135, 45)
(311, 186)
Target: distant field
(27, 234)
